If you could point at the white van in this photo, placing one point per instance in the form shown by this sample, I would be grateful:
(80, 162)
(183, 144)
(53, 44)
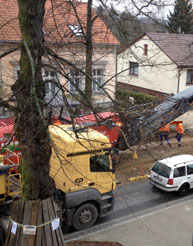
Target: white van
(173, 174)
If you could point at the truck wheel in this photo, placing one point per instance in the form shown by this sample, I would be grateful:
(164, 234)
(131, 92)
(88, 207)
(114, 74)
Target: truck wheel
(183, 190)
(84, 217)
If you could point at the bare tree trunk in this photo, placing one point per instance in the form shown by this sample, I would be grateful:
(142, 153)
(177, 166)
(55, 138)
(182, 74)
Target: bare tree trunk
(31, 130)
(89, 50)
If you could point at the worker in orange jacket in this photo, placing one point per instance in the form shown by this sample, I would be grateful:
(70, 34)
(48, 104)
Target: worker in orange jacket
(164, 133)
(179, 133)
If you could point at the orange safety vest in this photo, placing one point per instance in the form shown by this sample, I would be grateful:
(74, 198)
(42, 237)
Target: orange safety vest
(165, 128)
(180, 129)
(57, 122)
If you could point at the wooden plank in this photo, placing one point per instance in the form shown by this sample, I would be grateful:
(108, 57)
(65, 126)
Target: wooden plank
(39, 222)
(59, 233)
(47, 227)
(19, 220)
(34, 215)
(43, 242)
(51, 217)
(26, 221)
(10, 237)
(16, 215)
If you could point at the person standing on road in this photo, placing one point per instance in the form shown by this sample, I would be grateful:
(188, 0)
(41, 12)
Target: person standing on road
(164, 133)
(179, 133)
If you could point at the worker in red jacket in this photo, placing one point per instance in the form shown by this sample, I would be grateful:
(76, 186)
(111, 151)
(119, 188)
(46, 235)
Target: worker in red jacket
(164, 133)
(179, 133)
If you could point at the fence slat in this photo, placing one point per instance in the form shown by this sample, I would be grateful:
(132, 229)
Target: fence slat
(47, 227)
(39, 222)
(34, 213)
(58, 232)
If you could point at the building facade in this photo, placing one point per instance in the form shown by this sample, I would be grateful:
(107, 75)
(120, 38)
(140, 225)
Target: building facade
(158, 64)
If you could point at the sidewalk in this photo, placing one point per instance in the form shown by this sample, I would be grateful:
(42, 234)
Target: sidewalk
(171, 226)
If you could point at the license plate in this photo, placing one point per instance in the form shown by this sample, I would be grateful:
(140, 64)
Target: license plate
(158, 178)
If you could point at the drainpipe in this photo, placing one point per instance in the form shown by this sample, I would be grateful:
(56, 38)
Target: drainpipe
(179, 74)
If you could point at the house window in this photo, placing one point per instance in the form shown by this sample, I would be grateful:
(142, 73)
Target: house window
(16, 69)
(97, 79)
(75, 80)
(133, 68)
(145, 49)
(76, 30)
(50, 78)
(189, 78)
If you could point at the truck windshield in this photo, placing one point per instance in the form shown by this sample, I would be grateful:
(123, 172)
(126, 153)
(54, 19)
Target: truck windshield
(161, 169)
(99, 163)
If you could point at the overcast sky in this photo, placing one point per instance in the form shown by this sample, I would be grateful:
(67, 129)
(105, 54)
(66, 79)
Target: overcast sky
(159, 8)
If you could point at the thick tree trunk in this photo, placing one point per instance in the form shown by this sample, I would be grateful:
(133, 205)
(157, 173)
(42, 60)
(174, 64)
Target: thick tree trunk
(89, 50)
(31, 130)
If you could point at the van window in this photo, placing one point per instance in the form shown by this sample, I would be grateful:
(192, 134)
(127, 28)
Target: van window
(179, 172)
(190, 169)
(161, 169)
(99, 163)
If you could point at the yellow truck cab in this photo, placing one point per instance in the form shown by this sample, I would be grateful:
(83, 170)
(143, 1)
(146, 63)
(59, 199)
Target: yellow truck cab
(81, 166)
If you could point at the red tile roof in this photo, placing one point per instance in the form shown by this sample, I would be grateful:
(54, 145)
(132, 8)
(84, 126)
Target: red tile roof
(179, 47)
(58, 15)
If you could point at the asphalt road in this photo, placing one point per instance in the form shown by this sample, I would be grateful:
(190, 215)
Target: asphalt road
(135, 199)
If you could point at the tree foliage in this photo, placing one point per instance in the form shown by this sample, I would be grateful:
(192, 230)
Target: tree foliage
(181, 20)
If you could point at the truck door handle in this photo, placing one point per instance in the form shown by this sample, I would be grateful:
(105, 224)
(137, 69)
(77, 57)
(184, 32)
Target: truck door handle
(91, 184)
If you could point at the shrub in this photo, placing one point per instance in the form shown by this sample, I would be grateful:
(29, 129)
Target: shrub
(123, 95)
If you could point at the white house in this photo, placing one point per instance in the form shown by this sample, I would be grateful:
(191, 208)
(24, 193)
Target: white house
(157, 64)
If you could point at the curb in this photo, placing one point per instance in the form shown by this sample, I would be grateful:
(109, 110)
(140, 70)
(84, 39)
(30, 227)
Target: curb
(138, 178)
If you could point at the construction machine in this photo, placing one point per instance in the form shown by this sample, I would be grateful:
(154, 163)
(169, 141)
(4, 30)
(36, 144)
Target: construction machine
(128, 128)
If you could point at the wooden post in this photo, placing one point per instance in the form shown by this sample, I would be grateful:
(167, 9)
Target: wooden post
(40, 214)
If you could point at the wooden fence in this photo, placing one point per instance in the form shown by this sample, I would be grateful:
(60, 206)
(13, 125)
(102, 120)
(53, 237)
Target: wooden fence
(34, 223)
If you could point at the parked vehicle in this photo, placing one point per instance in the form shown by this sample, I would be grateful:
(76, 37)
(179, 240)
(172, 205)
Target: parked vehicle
(173, 174)
(83, 169)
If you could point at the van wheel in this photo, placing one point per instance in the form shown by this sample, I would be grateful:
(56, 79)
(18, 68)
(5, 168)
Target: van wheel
(183, 190)
(84, 217)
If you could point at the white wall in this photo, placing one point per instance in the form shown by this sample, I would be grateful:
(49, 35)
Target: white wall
(156, 70)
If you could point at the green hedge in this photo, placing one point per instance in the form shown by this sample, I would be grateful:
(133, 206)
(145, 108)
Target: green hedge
(123, 95)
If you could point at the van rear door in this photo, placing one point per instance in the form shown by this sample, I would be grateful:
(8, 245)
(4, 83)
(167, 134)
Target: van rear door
(160, 173)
